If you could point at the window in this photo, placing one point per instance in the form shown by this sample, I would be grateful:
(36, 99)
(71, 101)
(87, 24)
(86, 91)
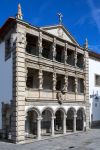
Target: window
(7, 49)
(47, 80)
(46, 51)
(80, 85)
(71, 84)
(59, 53)
(97, 80)
(95, 104)
(70, 57)
(29, 82)
(80, 60)
(59, 82)
(31, 46)
(32, 79)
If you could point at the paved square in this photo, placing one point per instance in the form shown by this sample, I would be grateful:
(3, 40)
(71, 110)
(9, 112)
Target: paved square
(82, 141)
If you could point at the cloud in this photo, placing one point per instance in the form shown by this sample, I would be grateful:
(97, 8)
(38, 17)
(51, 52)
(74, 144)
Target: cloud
(82, 20)
(40, 11)
(95, 12)
(95, 48)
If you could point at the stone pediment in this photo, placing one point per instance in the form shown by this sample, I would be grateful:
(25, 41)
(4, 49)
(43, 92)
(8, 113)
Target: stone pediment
(61, 32)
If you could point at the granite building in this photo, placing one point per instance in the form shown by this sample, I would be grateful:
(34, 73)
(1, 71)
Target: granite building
(44, 76)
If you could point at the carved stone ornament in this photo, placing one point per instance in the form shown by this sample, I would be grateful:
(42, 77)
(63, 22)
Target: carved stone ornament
(64, 89)
(60, 32)
(54, 50)
(60, 98)
(19, 14)
(21, 38)
(40, 40)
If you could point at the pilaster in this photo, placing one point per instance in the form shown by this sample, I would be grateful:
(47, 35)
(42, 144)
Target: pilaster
(66, 82)
(40, 44)
(54, 49)
(75, 57)
(86, 69)
(76, 85)
(19, 85)
(54, 80)
(40, 78)
(65, 53)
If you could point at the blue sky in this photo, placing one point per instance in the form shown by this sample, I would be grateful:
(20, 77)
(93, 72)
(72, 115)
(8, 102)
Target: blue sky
(80, 17)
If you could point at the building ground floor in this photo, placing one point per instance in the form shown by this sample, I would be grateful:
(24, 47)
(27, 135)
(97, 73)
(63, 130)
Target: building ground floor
(49, 119)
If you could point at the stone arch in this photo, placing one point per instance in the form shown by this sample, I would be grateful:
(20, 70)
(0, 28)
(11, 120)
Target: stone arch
(72, 109)
(32, 114)
(59, 117)
(47, 114)
(60, 108)
(71, 112)
(49, 109)
(82, 109)
(34, 109)
(81, 118)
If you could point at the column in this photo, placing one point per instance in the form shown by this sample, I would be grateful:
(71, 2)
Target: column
(64, 124)
(39, 127)
(26, 126)
(84, 84)
(52, 125)
(74, 123)
(75, 55)
(40, 78)
(65, 55)
(76, 85)
(66, 83)
(40, 44)
(84, 124)
(54, 49)
(54, 80)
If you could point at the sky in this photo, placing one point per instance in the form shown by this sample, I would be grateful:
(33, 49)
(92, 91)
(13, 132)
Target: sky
(80, 17)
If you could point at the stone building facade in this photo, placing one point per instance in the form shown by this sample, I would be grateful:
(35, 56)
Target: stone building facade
(50, 93)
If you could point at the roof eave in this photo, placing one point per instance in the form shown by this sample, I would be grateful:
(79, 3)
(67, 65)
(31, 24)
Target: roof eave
(6, 27)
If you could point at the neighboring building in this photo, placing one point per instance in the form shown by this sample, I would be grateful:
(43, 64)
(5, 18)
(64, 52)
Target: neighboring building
(44, 76)
(94, 88)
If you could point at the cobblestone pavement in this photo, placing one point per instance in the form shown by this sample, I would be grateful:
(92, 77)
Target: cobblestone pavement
(89, 140)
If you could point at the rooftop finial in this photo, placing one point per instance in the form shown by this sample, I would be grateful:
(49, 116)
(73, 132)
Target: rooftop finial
(19, 14)
(60, 17)
(86, 44)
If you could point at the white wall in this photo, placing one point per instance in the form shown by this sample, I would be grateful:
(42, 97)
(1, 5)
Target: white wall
(94, 68)
(5, 79)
